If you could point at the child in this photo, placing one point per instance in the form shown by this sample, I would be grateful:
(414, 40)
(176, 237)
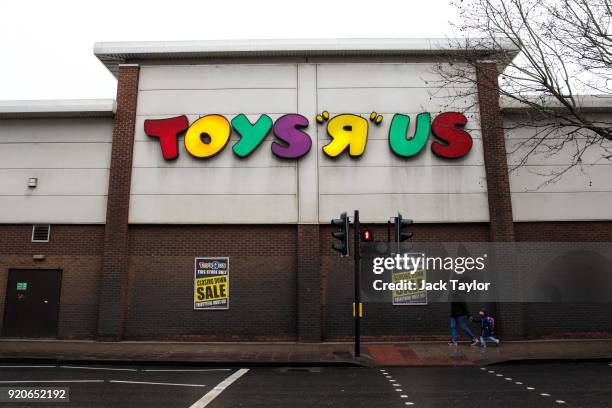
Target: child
(487, 325)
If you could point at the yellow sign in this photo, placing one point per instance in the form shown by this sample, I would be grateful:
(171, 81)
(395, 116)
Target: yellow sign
(411, 294)
(211, 287)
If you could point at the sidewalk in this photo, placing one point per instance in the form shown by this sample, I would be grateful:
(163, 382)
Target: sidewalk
(373, 354)
(440, 353)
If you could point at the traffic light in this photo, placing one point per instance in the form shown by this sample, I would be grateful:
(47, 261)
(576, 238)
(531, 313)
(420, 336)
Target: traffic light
(342, 234)
(366, 235)
(400, 224)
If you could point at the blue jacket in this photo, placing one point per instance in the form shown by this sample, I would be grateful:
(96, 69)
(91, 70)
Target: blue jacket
(486, 329)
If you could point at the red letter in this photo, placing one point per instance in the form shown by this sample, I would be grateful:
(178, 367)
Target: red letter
(446, 127)
(167, 130)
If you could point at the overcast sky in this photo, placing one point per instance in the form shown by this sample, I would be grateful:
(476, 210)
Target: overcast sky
(46, 47)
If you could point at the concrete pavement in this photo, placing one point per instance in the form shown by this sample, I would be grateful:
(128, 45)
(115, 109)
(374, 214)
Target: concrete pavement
(373, 354)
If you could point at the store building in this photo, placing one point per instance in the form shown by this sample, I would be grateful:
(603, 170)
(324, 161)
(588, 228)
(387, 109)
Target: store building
(214, 149)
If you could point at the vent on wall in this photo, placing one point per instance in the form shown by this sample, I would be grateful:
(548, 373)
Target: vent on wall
(40, 232)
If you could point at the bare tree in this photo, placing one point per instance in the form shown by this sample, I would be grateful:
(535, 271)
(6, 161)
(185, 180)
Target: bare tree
(552, 53)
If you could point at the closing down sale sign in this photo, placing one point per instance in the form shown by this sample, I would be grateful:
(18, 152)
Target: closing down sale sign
(211, 284)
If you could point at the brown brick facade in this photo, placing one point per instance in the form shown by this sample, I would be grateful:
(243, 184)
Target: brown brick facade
(74, 249)
(113, 284)
(263, 300)
(501, 222)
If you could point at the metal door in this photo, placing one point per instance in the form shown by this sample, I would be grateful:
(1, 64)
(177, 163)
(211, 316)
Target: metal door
(32, 303)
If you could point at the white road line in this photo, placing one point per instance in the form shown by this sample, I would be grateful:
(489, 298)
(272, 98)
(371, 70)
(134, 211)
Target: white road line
(27, 366)
(530, 388)
(156, 383)
(391, 380)
(51, 381)
(560, 402)
(99, 368)
(545, 395)
(396, 385)
(518, 383)
(188, 370)
(508, 379)
(499, 375)
(388, 376)
(403, 396)
(214, 393)
(398, 390)
(409, 403)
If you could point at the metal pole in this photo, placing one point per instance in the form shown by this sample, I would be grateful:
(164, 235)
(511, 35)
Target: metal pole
(357, 273)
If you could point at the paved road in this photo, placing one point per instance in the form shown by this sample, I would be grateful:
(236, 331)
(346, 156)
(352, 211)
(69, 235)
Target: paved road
(511, 385)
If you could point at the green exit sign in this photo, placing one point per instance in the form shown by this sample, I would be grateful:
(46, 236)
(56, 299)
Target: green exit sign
(22, 285)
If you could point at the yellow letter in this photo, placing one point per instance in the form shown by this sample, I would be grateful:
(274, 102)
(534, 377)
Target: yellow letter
(207, 136)
(346, 130)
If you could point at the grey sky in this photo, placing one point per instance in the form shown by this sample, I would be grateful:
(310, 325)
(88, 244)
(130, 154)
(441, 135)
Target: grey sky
(46, 47)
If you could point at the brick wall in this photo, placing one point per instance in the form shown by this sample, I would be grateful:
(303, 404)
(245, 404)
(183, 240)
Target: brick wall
(566, 319)
(385, 321)
(113, 283)
(263, 286)
(77, 251)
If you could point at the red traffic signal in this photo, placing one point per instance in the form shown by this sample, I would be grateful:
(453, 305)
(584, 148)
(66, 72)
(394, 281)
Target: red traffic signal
(366, 235)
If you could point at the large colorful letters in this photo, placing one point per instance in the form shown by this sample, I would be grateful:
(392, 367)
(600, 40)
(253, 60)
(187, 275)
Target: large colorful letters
(209, 134)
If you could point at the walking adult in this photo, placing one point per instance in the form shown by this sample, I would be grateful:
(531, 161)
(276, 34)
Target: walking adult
(459, 315)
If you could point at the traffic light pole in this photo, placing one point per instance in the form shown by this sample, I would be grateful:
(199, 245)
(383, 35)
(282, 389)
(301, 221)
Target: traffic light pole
(357, 307)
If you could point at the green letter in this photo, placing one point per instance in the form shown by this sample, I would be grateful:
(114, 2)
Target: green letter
(251, 135)
(402, 146)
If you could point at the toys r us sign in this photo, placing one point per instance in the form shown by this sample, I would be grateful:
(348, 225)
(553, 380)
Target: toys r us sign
(209, 134)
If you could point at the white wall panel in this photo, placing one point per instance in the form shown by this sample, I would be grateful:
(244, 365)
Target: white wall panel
(422, 208)
(206, 181)
(351, 100)
(390, 75)
(223, 189)
(399, 180)
(583, 192)
(54, 155)
(53, 209)
(69, 157)
(51, 182)
(585, 206)
(81, 130)
(213, 209)
(230, 76)
(221, 101)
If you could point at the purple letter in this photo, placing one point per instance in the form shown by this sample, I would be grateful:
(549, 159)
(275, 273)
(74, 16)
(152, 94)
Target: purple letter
(298, 142)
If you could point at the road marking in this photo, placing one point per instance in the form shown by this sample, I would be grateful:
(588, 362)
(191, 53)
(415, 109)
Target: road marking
(52, 381)
(188, 370)
(391, 380)
(403, 396)
(99, 368)
(544, 394)
(388, 376)
(27, 366)
(560, 402)
(219, 388)
(396, 385)
(530, 388)
(409, 403)
(498, 375)
(399, 390)
(518, 383)
(508, 379)
(156, 383)
(483, 369)
(491, 372)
